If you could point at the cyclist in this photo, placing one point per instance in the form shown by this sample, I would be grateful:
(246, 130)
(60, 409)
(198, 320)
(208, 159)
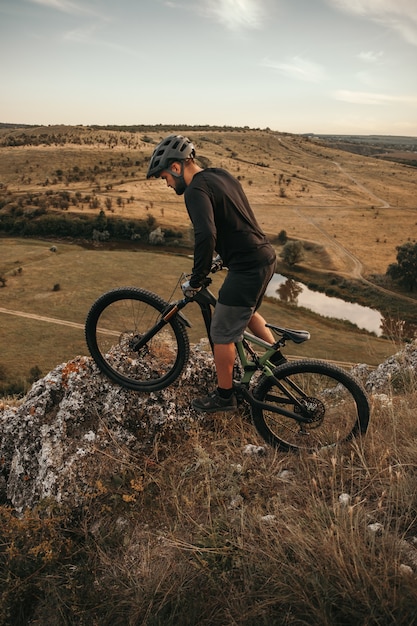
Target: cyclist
(224, 223)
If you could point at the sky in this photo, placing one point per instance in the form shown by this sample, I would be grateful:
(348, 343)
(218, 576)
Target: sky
(296, 66)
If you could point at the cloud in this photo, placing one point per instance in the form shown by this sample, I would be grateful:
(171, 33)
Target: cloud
(237, 14)
(364, 97)
(298, 68)
(83, 34)
(87, 35)
(63, 5)
(397, 15)
(234, 15)
(72, 8)
(370, 56)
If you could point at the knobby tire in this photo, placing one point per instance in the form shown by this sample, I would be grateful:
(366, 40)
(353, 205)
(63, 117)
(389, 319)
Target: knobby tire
(336, 403)
(113, 324)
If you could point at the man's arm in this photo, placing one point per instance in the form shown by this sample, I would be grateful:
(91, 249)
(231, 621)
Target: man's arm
(201, 213)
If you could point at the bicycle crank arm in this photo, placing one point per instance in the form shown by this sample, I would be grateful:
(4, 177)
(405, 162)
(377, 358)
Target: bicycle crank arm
(248, 395)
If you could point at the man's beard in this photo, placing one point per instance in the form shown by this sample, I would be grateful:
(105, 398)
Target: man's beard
(180, 185)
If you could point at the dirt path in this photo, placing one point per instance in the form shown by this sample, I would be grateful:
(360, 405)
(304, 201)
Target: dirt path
(384, 203)
(42, 318)
(54, 320)
(357, 266)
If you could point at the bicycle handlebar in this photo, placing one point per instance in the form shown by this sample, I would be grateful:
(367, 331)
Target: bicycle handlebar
(216, 266)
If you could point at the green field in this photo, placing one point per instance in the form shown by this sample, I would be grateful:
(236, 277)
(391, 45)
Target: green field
(33, 273)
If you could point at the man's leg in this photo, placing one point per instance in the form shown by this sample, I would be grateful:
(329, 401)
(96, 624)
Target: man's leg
(222, 398)
(224, 358)
(258, 328)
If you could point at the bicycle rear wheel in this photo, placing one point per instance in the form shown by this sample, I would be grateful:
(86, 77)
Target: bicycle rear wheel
(120, 317)
(332, 400)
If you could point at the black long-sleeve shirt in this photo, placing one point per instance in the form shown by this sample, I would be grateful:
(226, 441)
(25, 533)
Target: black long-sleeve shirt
(224, 222)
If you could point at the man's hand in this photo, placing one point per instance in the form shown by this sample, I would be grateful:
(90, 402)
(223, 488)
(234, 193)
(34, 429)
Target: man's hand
(216, 264)
(188, 291)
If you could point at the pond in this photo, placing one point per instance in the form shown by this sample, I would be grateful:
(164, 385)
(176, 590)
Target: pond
(294, 292)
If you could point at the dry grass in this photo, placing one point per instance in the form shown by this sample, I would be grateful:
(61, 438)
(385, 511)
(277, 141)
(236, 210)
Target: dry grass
(200, 533)
(331, 197)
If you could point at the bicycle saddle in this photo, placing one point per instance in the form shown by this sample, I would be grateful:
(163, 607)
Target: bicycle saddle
(297, 336)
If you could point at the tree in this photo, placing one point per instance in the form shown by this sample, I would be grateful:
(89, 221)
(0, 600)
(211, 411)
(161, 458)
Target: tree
(282, 237)
(292, 252)
(101, 221)
(405, 269)
(35, 374)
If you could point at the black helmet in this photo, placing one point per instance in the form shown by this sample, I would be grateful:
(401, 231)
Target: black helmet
(172, 148)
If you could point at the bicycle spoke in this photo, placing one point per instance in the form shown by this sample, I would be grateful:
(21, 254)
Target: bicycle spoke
(115, 324)
(331, 408)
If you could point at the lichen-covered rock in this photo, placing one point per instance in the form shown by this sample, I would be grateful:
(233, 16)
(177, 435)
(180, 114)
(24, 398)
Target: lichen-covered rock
(75, 426)
(396, 372)
(53, 445)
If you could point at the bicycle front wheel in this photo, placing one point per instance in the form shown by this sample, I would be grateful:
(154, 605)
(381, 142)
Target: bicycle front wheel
(116, 321)
(328, 406)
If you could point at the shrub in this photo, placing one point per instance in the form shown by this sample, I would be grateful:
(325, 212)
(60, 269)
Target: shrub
(282, 237)
(292, 253)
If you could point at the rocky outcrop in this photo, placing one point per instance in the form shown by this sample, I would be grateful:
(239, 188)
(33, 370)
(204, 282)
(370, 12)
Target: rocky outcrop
(75, 426)
(396, 372)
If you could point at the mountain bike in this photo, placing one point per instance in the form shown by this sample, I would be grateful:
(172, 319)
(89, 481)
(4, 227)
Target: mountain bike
(140, 341)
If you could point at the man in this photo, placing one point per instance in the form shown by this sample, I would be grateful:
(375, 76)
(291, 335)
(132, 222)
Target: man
(224, 223)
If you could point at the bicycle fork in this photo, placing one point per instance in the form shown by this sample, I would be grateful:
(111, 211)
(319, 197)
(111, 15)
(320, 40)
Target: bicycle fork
(166, 316)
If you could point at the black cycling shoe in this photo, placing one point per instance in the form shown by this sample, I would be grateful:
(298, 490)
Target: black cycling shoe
(214, 403)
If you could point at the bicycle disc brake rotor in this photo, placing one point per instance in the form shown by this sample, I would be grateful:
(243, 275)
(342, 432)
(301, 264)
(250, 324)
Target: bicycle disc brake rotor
(128, 340)
(314, 409)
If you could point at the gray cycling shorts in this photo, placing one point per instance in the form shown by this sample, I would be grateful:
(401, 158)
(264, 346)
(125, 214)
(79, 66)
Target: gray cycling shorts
(239, 297)
(229, 322)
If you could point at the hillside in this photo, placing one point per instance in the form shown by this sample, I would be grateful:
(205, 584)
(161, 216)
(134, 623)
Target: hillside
(125, 508)
(314, 192)
(120, 508)
(391, 148)
(350, 211)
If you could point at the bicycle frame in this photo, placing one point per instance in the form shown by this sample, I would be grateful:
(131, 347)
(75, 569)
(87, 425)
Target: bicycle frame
(206, 301)
(264, 378)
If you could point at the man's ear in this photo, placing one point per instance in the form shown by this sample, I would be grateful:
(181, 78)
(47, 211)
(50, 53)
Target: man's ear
(175, 167)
